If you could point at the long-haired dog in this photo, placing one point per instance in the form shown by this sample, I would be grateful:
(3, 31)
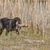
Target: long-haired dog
(10, 24)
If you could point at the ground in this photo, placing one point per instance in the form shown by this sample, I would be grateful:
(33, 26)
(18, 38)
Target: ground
(26, 40)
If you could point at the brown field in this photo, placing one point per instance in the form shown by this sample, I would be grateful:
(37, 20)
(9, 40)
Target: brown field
(26, 40)
(33, 13)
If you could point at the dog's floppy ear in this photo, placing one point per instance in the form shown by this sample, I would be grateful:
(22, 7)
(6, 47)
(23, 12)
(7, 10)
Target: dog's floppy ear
(17, 19)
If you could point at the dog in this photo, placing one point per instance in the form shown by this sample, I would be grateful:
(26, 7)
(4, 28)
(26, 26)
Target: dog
(10, 24)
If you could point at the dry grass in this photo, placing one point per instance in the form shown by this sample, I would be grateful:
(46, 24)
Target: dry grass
(26, 40)
(27, 10)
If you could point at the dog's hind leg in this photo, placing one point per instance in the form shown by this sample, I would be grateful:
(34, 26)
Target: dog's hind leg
(7, 32)
(1, 31)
